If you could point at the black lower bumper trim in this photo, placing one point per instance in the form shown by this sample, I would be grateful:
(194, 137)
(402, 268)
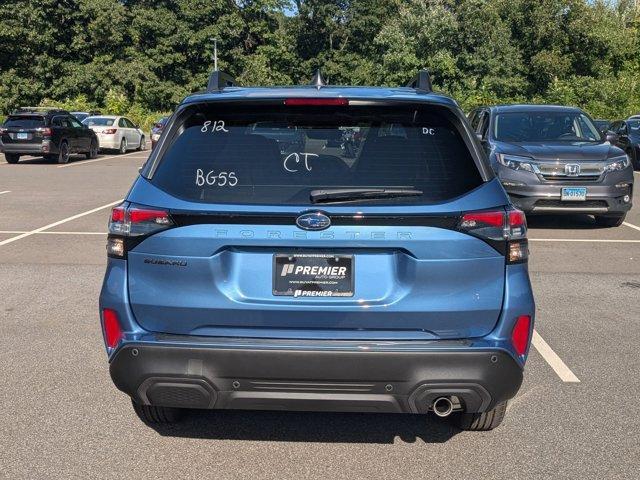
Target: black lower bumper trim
(313, 380)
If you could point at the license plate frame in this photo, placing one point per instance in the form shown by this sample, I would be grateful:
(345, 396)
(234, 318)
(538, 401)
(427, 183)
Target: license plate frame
(573, 194)
(22, 136)
(327, 280)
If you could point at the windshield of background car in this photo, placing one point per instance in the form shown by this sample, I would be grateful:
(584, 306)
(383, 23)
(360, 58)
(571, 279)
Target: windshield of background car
(544, 127)
(634, 125)
(98, 122)
(24, 121)
(279, 154)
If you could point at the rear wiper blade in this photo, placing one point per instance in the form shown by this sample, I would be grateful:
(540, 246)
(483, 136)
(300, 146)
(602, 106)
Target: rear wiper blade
(348, 194)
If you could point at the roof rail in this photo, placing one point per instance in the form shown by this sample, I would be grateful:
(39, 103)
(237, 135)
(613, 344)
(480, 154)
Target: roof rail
(219, 80)
(422, 81)
(41, 109)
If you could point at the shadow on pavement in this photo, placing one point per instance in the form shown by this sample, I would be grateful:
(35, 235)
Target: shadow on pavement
(563, 222)
(309, 427)
(43, 161)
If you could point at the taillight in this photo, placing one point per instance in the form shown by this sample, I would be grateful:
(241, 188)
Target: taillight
(3, 131)
(44, 131)
(109, 131)
(133, 222)
(112, 330)
(316, 101)
(520, 334)
(505, 229)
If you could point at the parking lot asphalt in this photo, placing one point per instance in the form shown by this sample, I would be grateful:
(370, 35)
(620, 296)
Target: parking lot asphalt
(61, 416)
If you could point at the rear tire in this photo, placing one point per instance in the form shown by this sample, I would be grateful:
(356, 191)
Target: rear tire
(123, 147)
(610, 220)
(93, 150)
(63, 152)
(482, 422)
(143, 144)
(11, 157)
(153, 414)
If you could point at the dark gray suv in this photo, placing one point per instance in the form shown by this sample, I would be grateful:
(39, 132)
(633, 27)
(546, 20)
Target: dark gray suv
(552, 159)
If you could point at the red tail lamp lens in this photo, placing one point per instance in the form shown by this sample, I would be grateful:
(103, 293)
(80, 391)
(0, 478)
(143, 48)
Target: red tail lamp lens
(520, 335)
(517, 218)
(109, 131)
(112, 329)
(479, 219)
(117, 214)
(137, 215)
(316, 101)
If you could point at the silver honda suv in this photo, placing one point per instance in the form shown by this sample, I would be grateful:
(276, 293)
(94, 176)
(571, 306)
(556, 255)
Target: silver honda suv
(552, 159)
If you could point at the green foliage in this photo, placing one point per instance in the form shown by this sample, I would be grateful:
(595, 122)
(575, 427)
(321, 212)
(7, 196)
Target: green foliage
(140, 57)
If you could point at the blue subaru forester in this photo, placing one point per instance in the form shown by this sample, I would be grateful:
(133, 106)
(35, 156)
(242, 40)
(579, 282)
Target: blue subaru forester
(318, 248)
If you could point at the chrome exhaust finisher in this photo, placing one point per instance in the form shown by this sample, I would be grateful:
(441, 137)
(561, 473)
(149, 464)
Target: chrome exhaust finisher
(442, 407)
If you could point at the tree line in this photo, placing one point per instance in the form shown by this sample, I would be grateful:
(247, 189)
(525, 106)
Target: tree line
(144, 56)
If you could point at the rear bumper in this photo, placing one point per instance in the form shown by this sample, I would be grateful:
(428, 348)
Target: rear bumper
(601, 199)
(322, 376)
(530, 194)
(27, 148)
(109, 142)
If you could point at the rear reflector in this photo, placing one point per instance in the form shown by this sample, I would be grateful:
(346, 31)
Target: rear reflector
(520, 334)
(112, 330)
(316, 101)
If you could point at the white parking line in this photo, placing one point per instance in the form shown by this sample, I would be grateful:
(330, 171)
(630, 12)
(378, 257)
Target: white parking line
(593, 240)
(6, 191)
(631, 225)
(14, 232)
(554, 361)
(102, 158)
(55, 224)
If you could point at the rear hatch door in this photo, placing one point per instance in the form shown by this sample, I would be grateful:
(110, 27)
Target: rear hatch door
(243, 258)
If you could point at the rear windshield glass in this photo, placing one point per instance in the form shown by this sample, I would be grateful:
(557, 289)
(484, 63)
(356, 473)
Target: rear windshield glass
(24, 122)
(98, 122)
(545, 126)
(279, 155)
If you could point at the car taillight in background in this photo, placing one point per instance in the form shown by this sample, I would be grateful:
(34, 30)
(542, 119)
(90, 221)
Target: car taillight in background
(131, 224)
(44, 131)
(109, 131)
(498, 226)
(3, 131)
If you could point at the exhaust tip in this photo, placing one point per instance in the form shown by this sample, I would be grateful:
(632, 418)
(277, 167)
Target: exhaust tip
(442, 407)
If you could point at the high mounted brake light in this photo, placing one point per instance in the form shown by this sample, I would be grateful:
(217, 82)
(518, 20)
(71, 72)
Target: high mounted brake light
(133, 223)
(316, 102)
(501, 228)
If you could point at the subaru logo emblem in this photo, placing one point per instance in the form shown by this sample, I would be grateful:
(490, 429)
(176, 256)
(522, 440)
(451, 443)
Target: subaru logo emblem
(313, 221)
(572, 169)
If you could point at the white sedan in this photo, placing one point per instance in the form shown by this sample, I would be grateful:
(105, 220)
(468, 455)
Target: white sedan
(116, 133)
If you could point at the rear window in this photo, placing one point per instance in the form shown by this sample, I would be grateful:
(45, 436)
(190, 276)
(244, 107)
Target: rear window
(279, 155)
(98, 122)
(24, 121)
